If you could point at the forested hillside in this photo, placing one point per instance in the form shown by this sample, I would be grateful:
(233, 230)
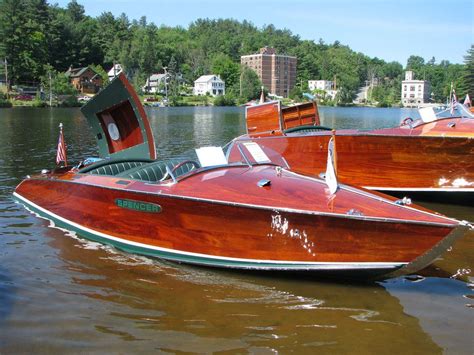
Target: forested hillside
(37, 38)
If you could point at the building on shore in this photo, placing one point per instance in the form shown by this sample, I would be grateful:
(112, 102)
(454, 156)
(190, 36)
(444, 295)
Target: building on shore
(114, 71)
(277, 72)
(414, 92)
(155, 83)
(85, 80)
(327, 86)
(209, 84)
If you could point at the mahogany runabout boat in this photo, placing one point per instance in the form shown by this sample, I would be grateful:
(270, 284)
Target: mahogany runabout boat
(423, 156)
(253, 215)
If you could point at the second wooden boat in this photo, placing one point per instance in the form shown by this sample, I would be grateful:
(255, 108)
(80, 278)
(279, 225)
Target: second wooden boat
(418, 156)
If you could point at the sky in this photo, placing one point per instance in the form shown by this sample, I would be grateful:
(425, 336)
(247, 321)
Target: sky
(391, 30)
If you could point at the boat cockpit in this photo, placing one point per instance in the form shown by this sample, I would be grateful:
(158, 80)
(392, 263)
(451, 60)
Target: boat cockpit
(173, 170)
(428, 114)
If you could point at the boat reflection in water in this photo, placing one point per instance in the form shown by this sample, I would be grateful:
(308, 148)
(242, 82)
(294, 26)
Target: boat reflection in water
(106, 300)
(251, 214)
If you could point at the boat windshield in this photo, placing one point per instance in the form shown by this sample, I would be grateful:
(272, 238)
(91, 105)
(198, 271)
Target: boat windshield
(428, 114)
(175, 169)
(458, 110)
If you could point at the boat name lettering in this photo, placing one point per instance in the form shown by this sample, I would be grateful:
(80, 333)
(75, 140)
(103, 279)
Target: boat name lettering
(138, 205)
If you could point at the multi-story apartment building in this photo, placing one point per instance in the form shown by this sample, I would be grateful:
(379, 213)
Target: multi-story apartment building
(276, 71)
(414, 92)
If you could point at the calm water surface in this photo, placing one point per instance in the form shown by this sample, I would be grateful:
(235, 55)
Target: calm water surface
(62, 294)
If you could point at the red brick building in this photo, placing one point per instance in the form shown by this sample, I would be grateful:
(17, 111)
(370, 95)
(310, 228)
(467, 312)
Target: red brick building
(277, 72)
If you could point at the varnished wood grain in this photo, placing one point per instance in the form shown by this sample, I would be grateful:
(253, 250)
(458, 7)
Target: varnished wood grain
(390, 158)
(263, 118)
(300, 115)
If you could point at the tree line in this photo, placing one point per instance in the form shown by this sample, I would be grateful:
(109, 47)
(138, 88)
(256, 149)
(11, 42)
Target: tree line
(38, 38)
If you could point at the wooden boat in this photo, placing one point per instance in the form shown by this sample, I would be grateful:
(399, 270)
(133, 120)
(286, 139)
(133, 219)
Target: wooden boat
(253, 215)
(436, 156)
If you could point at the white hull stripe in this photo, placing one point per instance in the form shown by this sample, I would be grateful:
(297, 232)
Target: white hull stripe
(263, 263)
(422, 189)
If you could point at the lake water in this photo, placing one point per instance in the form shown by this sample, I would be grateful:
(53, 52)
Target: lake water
(62, 294)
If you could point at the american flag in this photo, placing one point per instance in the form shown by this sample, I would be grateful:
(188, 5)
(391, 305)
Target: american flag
(61, 151)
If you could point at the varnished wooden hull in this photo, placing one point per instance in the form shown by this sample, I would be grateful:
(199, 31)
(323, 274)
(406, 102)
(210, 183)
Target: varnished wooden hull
(385, 160)
(197, 225)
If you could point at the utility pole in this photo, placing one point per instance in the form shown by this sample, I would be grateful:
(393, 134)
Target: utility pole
(6, 79)
(166, 84)
(240, 81)
(50, 90)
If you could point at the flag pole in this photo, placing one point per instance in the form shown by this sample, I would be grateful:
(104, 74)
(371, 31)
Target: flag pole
(335, 151)
(61, 154)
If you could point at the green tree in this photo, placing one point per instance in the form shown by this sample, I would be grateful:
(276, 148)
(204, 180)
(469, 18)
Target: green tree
(250, 84)
(101, 71)
(173, 82)
(22, 40)
(227, 69)
(75, 11)
(296, 94)
(416, 64)
(468, 73)
(224, 100)
(60, 84)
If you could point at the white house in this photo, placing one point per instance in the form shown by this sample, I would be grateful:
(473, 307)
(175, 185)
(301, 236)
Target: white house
(325, 85)
(211, 84)
(414, 92)
(154, 83)
(114, 71)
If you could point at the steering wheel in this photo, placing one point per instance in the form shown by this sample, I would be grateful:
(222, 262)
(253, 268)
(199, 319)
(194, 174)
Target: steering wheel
(179, 165)
(407, 122)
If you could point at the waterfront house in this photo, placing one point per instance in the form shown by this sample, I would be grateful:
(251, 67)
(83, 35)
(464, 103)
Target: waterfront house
(85, 80)
(323, 85)
(414, 92)
(155, 83)
(114, 71)
(209, 84)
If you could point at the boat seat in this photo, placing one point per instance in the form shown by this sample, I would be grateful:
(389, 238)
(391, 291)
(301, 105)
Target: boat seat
(116, 168)
(306, 129)
(154, 172)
